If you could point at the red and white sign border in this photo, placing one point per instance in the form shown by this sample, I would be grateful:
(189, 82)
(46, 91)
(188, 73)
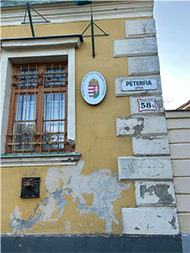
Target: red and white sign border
(148, 109)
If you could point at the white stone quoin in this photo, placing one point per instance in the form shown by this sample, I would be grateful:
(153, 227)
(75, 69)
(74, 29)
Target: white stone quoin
(135, 47)
(141, 126)
(143, 65)
(150, 221)
(147, 168)
(140, 28)
(136, 103)
(154, 145)
(118, 86)
(152, 193)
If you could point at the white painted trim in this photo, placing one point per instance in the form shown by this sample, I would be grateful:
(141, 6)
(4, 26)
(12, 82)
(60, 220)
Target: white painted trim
(35, 54)
(68, 12)
(71, 96)
(38, 161)
(69, 41)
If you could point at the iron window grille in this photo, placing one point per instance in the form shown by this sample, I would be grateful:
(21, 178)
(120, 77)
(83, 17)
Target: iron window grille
(38, 109)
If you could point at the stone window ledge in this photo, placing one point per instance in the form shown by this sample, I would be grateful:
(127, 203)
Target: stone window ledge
(19, 160)
(71, 40)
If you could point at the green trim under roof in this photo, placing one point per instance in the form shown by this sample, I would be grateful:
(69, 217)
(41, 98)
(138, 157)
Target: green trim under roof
(22, 3)
(39, 155)
(45, 37)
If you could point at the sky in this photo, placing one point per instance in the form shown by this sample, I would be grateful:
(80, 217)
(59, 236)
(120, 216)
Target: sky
(173, 34)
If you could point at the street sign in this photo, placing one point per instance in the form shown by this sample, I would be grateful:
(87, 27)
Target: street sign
(149, 84)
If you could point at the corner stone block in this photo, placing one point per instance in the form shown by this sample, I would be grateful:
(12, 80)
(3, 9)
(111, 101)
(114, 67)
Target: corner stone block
(147, 168)
(141, 126)
(136, 91)
(135, 47)
(140, 28)
(147, 146)
(146, 105)
(143, 65)
(154, 193)
(150, 221)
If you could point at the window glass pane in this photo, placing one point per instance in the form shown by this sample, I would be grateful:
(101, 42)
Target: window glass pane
(28, 78)
(56, 136)
(54, 106)
(24, 128)
(57, 78)
(26, 106)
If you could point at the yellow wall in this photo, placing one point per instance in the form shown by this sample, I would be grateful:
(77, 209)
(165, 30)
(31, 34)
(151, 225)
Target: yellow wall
(95, 139)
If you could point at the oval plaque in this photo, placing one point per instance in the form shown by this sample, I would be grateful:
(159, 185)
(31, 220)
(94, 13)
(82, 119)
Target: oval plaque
(93, 88)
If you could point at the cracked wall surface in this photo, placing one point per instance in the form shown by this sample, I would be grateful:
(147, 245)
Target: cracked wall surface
(55, 211)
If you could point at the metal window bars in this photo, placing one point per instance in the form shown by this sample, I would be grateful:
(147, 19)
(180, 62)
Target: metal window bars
(39, 124)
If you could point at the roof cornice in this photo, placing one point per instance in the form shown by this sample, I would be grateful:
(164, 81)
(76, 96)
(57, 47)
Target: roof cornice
(69, 12)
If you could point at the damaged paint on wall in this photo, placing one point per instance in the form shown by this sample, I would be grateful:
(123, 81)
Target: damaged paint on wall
(60, 183)
(155, 193)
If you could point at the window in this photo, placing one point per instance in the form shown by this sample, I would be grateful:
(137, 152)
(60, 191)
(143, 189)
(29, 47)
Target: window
(38, 109)
(38, 50)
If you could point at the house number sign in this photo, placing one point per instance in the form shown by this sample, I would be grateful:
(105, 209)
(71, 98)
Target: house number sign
(93, 88)
(147, 104)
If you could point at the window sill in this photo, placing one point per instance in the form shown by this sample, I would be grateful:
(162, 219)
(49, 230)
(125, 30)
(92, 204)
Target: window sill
(20, 160)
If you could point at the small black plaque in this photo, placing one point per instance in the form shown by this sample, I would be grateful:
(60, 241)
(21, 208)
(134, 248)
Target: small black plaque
(30, 187)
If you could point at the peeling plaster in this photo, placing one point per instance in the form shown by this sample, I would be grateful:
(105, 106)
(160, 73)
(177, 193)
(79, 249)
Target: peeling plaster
(172, 222)
(16, 213)
(130, 124)
(160, 190)
(103, 184)
(127, 128)
(68, 226)
(138, 128)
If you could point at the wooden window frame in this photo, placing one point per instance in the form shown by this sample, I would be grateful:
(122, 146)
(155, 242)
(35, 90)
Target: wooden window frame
(39, 90)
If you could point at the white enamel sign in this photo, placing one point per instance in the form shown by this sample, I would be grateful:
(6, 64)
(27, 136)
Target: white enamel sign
(93, 88)
(128, 85)
(147, 104)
